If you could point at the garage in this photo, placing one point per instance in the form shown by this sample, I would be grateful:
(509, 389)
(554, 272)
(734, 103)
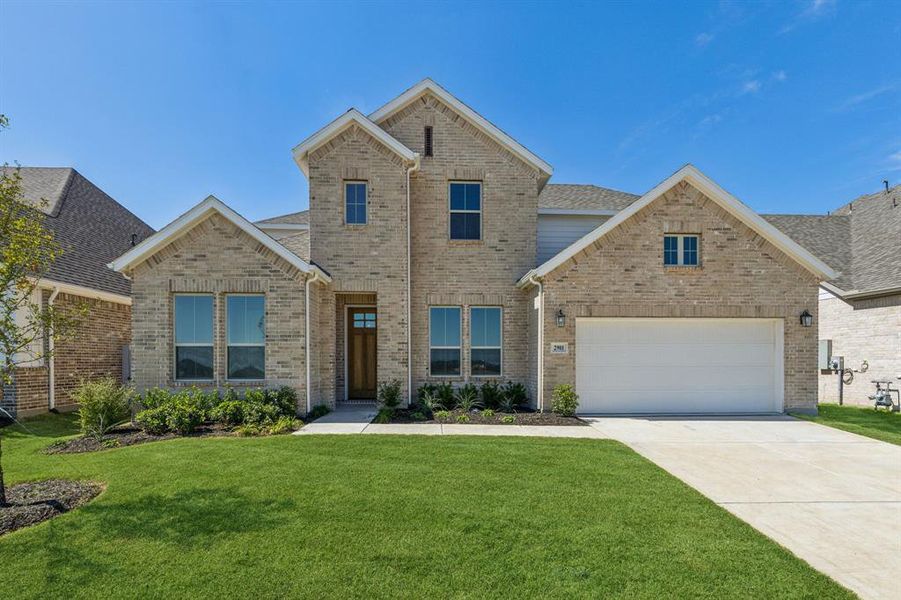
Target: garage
(679, 366)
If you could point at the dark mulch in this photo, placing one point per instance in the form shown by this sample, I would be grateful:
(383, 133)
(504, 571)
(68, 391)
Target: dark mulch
(126, 435)
(34, 502)
(477, 418)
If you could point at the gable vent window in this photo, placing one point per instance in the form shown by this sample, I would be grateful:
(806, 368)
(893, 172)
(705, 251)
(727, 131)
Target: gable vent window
(427, 145)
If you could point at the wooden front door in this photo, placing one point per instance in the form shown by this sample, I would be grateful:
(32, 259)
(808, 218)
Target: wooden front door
(361, 353)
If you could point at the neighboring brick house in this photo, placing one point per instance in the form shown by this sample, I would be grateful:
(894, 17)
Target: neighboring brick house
(92, 229)
(435, 250)
(860, 311)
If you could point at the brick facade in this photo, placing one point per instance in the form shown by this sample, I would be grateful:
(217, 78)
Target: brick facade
(741, 275)
(862, 330)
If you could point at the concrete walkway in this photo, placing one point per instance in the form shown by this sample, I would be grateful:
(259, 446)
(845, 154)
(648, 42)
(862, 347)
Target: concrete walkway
(833, 498)
(348, 418)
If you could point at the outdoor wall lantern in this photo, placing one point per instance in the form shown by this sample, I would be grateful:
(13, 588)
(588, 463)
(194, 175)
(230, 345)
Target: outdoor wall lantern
(561, 318)
(806, 319)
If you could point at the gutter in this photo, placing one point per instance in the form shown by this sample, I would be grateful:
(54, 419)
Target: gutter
(534, 280)
(51, 366)
(410, 170)
(306, 310)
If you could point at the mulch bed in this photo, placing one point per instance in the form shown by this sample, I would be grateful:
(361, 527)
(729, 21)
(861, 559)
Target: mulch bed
(476, 418)
(34, 502)
(126, 435)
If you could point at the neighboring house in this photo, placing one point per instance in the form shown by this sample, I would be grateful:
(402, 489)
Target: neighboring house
(860, 311)
(91, 229)
(435, 250)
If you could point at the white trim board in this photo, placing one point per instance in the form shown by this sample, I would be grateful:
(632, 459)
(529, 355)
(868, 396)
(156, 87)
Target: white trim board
(188, 220)
(477, 120)
(713, 191)
(85, 292)
(301, 151)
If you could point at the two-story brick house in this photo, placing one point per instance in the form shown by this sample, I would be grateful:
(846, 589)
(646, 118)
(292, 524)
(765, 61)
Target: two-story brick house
(418, 260)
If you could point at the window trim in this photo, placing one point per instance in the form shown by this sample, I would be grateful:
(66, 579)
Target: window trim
(680, 249)
(458, 348)
(228, 345)
(451, 211)
(175, 343)
(365, 185)
(474, 347)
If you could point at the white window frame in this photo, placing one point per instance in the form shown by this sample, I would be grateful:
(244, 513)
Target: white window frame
(451, 211)
(175, 344)
(228, 344)
(680, 249)
(474, 347)
(458, 348)
(365, 185)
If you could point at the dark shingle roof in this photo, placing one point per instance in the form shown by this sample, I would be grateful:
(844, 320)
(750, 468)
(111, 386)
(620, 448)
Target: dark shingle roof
(297, 218)
(577, 196)
(43, 187)
(91, 227)
(828, 237)
(298, 243)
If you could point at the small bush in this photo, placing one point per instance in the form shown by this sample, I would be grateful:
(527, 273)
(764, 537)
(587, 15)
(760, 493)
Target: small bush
(491, 394)
(153, 421)
(102, 405)
(154, 398)
(426, 388)
(445, 393)
(464, 418)
(249, 430)
(320, 410)
(229, 412)
(467, 398)
(429, 404)
(488, 413)
(284, 399)
(184, 416)
(389, 393)
(261, 414)
(508, 419)
(514, 396)
(285, 425)
(418, 416)
(565, 400)
(442, 415)
(384, 415)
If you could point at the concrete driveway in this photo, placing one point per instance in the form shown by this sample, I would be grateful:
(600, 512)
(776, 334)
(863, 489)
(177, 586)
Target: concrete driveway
(832, 498)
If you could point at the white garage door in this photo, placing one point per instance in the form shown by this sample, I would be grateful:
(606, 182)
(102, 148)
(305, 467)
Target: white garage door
(679, 365)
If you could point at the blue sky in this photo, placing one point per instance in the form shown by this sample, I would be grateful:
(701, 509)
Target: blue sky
(793, 107)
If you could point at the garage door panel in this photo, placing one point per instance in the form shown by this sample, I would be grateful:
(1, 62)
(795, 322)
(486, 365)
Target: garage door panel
(678, 365)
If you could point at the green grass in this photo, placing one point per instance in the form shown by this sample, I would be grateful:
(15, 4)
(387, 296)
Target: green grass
(880, 425)
(378, 516)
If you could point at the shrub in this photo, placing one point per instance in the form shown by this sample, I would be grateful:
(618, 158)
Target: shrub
(284, 399)
(260, 414)
(442, 415)
(426, 388)
(153, 420)
(491, 394)
(464, 418)
(102, 405)
(248, 430)
(445, 393)
(565, 400)
(285, 425)
(320, 410)
(488, 413)
(185, 415)
(229, 412)
(514, 396)
(389, 393)
(430, 403)
(418, 416)
(154, 398)
(508, 419)
(384, 415)
(467, 398)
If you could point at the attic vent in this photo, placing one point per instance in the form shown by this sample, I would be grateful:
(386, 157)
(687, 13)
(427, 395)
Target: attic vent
(427, 146)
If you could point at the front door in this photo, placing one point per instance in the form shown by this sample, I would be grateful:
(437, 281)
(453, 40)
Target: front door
(361, 353)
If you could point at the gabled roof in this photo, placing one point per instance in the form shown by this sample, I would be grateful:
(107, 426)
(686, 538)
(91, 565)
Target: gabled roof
(713, 191)
(428, 86)
(563, 198)
(295, 218)
(185, 222)
(352, 117)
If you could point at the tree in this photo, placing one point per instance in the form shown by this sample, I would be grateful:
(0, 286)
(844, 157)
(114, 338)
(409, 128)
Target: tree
(27, 250)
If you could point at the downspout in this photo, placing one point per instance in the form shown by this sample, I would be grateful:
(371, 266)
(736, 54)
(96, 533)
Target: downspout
(535, 281)
(415, 167)
(306, 291)
(51, 367)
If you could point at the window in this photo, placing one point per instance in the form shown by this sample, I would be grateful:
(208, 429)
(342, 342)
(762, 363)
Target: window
(193, 337)
(680, 250)
(246, 333)
(444, 340)
(465, 211)
(364, 320)
(355, 203)
(427, 141)
(485, 341)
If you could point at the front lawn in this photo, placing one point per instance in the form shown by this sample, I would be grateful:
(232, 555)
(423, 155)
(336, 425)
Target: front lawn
(880, 425)
(383, 516)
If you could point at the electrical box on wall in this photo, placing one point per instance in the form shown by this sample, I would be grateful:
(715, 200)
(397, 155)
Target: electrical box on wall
(824, 355)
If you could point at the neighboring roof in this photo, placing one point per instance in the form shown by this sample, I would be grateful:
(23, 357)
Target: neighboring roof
(296, 218)
(826, 236)
(43, 187)
(352, 117)
(298, 243)
(91, 228)
(710, 189)
(579, 197)
(428, 86)
(201, 211)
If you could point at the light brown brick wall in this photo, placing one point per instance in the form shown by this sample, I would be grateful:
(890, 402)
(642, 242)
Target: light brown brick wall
(467, 273)
(216, 257)
(741, 275)
(863, 330)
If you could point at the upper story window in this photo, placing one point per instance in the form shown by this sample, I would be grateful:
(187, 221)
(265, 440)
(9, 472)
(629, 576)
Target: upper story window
(680, 250)
(193, 337)
(465, 210)
(246, 334)
(485, 338)
(355, 203)
(444, 340)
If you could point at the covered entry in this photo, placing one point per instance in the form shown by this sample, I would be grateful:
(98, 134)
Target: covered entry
(679, 366)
